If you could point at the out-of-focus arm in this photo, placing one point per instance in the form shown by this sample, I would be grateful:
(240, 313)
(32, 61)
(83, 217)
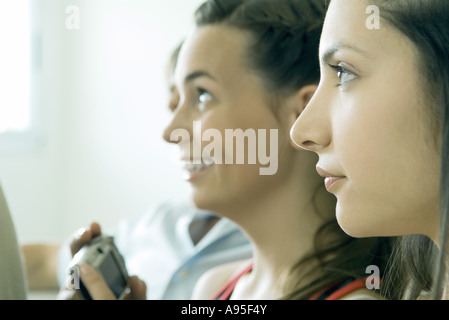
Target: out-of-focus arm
(41, 265)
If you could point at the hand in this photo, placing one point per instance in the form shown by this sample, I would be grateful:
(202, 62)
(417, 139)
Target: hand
(84, 236)
(92, 280)
(100, 291)
(76, 242)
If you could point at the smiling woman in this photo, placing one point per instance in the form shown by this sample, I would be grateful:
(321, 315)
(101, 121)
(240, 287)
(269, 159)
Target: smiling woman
(219, 72)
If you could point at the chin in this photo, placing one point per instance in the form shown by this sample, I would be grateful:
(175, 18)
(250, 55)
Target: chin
(350, 223)
(205, 200)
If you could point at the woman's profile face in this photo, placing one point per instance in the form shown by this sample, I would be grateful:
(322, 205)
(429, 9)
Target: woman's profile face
(369, 124)
(217, 94)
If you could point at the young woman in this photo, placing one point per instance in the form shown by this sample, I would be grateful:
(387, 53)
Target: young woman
(379, 123)
(172, 241)
(252, 66)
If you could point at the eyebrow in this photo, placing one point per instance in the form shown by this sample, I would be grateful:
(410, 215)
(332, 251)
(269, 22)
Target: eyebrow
(329, 53)
(198, 74)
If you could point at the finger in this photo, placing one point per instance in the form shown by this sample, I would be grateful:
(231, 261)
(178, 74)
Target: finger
(95, 229)
(83, 236)
(95, 284)
(138, 289)
(68, 294)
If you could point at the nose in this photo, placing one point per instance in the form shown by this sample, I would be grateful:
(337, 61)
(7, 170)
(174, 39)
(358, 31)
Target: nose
(174, 99)
(312, 129)
(182, 119)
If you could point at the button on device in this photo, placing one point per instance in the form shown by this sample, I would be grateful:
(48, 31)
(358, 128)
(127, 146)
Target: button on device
(100, 250)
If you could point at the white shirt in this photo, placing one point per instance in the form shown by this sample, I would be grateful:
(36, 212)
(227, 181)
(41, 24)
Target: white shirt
(158, 248)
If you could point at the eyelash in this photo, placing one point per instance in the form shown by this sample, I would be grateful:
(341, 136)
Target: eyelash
(340, 72)
(195, 98)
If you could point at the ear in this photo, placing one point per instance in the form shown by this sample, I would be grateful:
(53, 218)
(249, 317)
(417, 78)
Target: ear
(297, 103)
(299, 100)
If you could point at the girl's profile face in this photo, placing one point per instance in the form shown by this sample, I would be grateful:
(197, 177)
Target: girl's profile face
(368, 122)
(217, 92)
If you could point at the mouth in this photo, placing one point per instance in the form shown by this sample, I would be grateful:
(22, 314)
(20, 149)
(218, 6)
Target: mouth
(196, 168)
(331, 180)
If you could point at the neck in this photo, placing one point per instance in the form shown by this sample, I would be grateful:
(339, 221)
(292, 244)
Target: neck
(282, 229)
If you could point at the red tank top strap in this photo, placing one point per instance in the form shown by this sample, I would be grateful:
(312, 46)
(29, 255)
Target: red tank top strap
(318, 294)
(350, 287)
(226, 290)
(339, 290)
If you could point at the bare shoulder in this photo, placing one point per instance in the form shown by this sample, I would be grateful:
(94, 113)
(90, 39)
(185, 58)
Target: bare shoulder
(362, 294)
(213, 279)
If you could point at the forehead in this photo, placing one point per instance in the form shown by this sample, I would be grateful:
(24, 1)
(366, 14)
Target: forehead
(346, 24)
(216, 49)
(347, 15)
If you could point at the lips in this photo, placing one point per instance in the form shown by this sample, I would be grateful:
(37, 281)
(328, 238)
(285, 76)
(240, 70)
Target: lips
(195, 168)
(330, 180)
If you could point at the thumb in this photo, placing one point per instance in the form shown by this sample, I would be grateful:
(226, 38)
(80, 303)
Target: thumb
(95, 284)
(138, 289)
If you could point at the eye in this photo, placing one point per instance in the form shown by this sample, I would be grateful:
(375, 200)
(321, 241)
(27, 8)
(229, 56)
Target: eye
(203, 98)
(343, 74)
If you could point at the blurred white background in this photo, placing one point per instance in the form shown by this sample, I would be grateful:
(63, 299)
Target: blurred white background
(94, 150)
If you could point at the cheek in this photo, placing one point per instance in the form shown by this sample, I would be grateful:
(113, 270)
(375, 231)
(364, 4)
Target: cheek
(356, 138)
(392, 170)
(376, 131)
(243, 167)
(231, 148)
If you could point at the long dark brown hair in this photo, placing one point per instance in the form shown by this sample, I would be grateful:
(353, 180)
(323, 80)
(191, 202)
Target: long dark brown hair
(283, 50)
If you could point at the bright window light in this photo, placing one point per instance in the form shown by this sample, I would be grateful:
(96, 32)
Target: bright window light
(15, 65)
